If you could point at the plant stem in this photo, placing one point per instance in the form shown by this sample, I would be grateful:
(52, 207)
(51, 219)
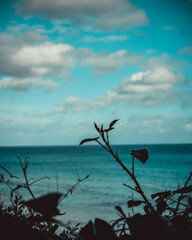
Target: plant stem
(138, 188)
(133, 165)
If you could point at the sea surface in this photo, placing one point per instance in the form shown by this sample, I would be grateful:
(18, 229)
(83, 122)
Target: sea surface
(167, 168)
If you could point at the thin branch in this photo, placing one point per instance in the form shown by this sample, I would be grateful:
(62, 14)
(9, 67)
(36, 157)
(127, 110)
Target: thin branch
(11, 175)
(35, 181)
(180, 198)
(24, 169)
(133, 165)
(131, 188)
(102, 146)
(13, 189)
(72, 188)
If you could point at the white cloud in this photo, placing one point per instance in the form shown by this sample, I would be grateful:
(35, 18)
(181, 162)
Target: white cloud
(110, 38)
(186, 50)
(106, 63)
(99, 15)
(72, 104)
(24, 84)
(16, 29)
(168, 28)
(149, 88)
(31, 56)
(162, 61)
(28, 59)
(21, 58)
(188, 127)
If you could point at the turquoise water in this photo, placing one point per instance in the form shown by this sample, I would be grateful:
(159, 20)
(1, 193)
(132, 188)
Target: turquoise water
(167, 167)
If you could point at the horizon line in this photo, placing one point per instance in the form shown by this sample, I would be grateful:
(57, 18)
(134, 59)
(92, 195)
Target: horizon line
(91, 145)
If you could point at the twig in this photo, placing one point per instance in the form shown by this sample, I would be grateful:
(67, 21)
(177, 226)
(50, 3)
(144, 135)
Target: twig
(180, 198)
(25, 176)
(72, 188)
(131, 187)
(35, 181)
(11, 175)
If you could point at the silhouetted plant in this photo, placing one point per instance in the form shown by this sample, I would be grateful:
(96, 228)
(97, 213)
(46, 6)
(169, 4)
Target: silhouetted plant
(168, 218)
(171, 215)
(36, 215)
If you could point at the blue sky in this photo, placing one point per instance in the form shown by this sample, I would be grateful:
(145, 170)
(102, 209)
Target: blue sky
(66, 63)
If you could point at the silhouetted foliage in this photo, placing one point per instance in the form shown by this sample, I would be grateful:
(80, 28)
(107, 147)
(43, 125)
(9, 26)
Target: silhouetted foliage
(169, 218)
(165, 215)
(34, 218)
(141, 155)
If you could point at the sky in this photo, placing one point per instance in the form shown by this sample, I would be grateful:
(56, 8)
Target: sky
(65, 64)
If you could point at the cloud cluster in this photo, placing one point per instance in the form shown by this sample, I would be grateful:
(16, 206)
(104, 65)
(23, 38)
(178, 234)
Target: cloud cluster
(29, 55)
(29, 60)
(151, 128)
(149, 88)
(106, 63)
(106, 15)
(15, 28)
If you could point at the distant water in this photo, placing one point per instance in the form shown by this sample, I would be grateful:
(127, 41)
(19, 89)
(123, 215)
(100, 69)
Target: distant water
(167, 167)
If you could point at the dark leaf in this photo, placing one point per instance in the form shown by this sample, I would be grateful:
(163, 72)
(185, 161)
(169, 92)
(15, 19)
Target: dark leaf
(88, 140)
(96, 127)
(46, 205)
(141, 155)
(184, 190)
(77, 225)
(113, 123)
(119, 209)
(133, 203)
(18, 186)
(161, 206)
(161, 194)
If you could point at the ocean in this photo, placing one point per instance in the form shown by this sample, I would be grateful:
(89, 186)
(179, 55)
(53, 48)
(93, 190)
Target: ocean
(167, 168)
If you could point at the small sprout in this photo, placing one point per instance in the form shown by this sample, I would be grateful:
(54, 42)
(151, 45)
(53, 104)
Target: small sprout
(141, 155)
